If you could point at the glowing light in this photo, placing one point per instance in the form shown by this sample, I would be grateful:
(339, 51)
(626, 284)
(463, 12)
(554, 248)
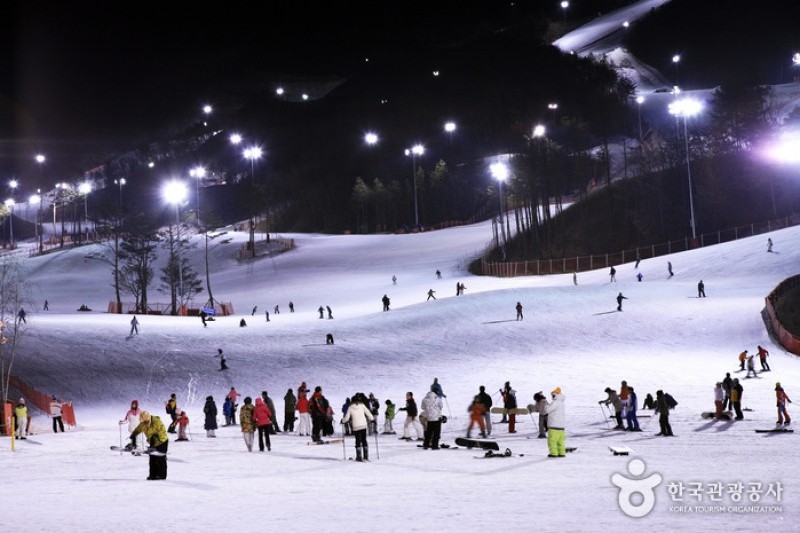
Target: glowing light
(174, 192)
(235, 138)
(686, 107)
(40, 158)
(450, 127)
(371, 138)
(499, 171)
(538, 131)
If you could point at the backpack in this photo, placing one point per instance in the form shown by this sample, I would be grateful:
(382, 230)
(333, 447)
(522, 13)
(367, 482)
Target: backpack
(671, 402)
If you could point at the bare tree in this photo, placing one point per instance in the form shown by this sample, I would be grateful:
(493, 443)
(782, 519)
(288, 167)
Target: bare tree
(13, 290)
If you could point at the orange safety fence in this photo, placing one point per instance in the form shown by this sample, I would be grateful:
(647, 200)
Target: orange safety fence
(41, 401)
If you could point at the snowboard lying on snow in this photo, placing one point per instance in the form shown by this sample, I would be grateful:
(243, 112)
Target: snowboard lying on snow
(483, 444)
(726, 415)
(138, 451)
(504, 411)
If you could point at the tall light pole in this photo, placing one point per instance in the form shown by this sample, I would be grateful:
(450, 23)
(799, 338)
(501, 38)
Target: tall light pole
(253, 153)
(40, 159)
(552, 106)
(371, 138)
(85, 188)
(676, 59)
(564, 6)
(10, 205)
(500, 173)
(414, 151)
(175, 193)
(235, 139)
(207, 110)
(687, 108)
(198, 173)
(639, 102)
(120, 182)
(450, 127)
(37, 199)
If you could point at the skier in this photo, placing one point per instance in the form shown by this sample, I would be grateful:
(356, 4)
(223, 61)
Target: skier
(630, 412)
(21, 316)
(540, 406)
(431, 293)
(203, 316)
(476, 411)
(222, 360)
(649, 402)
(510, 404)
(620, 297)
(227, 409)
(394, 280)
(55, 412)
(662, 408)
(181, 421)
(255, 308)
(262, 416)
(556, 419)
(385, 301)
(438, 274)
(742, 359)
(639, 277)
(751, 366)
(762, 355)
(318, 409)
(359, 416)
(612, 274)
(274, 426)
(246, 423)
(132, 417)
(210, 410)
(155, 434)
(411, 418)
(321, 311)
(781, 397)
(432, 407)
(737, 391)
(613, 400)
(669, 268)
(266, 314)
(170, 406)
(289, 406)
(701, 289)
(575, 278)
(330, 313)
(134, 327)
(389, 417)
(374, 407)
(21, 416)
(302, 411)
(458, 288)
(486, 400)
(277, 310)
(46, 305)
(291, 307)
(519, 311)
(769, 244)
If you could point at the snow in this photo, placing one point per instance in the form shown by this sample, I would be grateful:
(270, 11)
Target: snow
(571, 337)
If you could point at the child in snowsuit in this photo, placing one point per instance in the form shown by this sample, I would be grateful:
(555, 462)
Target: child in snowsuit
(181, 422)
(476, 410)
(389, 415)
(781, 397)
(411, 418)
(540, 406)
(132, 418)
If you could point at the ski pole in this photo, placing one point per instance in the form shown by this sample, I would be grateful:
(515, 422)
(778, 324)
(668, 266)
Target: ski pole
(377, 452)
(449, 413)
(120, 438)
(344, 449)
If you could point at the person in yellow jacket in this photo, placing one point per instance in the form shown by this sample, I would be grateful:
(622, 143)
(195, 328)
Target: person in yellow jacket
(156, 434)
(21, 415)
(247, 423)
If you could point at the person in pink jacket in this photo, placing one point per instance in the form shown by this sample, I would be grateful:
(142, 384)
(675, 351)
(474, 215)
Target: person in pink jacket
(132, 418)
(263, 418)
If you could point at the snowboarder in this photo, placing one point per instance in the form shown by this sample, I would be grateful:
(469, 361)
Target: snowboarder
(330, 313)
(575, 278)
(321, 311)
(171, 406)
(274, 426)
(540, 406)
(556, 420)
(762, 355)
(612, 274)
(289, 406)
(134, 327)
(277, 310)
(21, 316)
(669, 268)
(737, 391)
(781, 398)
(486, 400)
(385, 301)
(614, 401)
(156, 436)
(742, 359)
(701, 289)
(519, 311)
(133, 420)
(266, 313)
(262, 416)
(55, 412)
(411, 418)
(21, 417)
(222, 360)
(476, 411)
(359, 417)
(662, 408)
(719, 400)
(255, 308)
(751, 366)
(203, 316)
(388, 415)
(769, 244)
(46, 305)
(210, 410)
(639, 277)
(620, 297)
(246, 423)
(510, 404)
(432, 407)
(431, 293)
(181, 421)
(291, 307)
(727, 384)
(394, 280)
(329, 338)
(438, 274)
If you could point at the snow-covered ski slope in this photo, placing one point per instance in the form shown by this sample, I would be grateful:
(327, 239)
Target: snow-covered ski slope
(571, 337)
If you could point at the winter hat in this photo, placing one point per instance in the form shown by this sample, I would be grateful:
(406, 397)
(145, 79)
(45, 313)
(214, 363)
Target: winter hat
(557, 390)
(608, 389)
(248, 400)
(209, 398)
(21, 401)
(145, 416)
(135, 403)
(778, 386)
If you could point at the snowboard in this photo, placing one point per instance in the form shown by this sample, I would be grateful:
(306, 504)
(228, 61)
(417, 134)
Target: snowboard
(478, 443)
(502, 411)
(321, 442)
(620, 450)
(138, 451)
(637, 416)
(490, 454)
(775, 430)
(726, 415)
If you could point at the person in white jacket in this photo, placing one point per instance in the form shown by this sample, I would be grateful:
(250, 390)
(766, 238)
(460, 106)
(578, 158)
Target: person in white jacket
(359, 417)
(556, 418)
(133, 420)
(432, 407)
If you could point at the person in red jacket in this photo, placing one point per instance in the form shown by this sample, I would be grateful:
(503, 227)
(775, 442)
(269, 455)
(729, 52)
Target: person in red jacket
(181, 422)
(781, 397)
(304, 428)
(263, 418)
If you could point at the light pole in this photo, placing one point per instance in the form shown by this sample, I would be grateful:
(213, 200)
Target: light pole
(40, 159)
(639, 102)
(10, 205)
(85, 188)
(207, 110)
(450, 127)
(198, 173)
(37, 199)
(120, 182)
(414, 151)
(687, 108)
(552, 106)
(253, 153)
(676, 59)
(175, 193)
(500, 173)
(564, 6)
(235, 139)
(371, 138)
